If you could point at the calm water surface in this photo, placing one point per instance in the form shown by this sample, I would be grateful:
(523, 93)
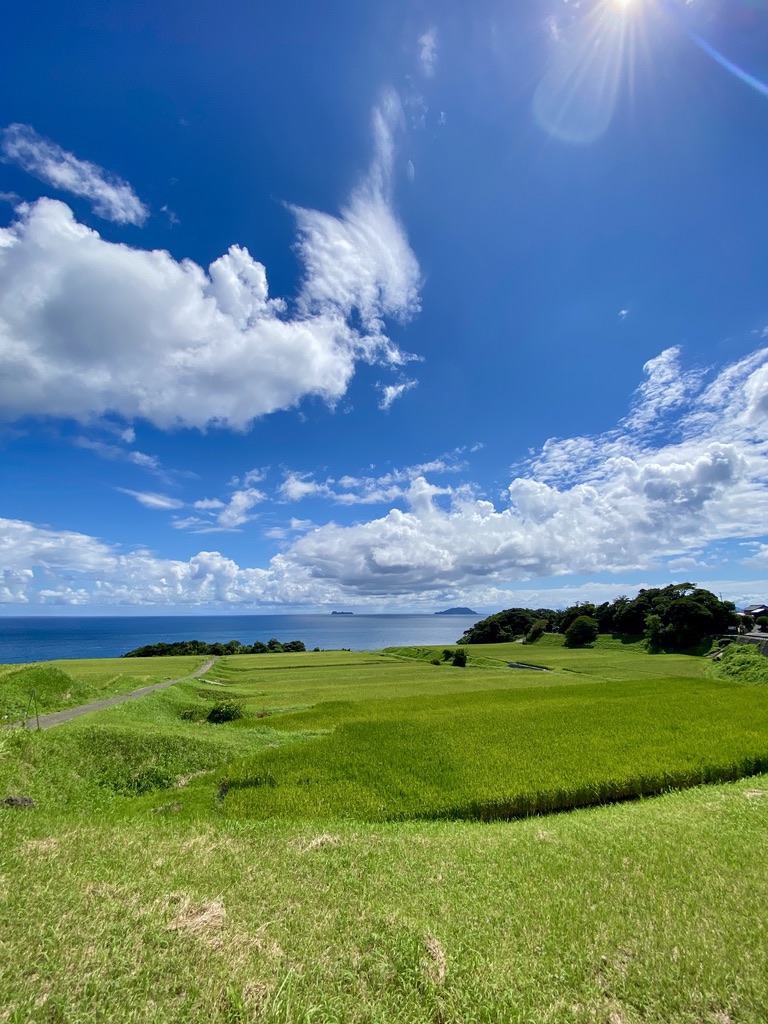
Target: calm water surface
(45, 639)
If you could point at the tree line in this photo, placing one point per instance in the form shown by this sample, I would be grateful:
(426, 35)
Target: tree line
(672, 618)
(161, 650)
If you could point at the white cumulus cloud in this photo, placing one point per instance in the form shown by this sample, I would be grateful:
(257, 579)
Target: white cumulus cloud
(627, 503)
(89, 327)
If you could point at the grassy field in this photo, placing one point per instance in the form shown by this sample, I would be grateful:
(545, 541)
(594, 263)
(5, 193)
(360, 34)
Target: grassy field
(63, 684)
(307, 862)
(504, 754)
(605, 659)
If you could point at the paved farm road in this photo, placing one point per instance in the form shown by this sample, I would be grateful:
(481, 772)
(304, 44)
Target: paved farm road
(57, 717)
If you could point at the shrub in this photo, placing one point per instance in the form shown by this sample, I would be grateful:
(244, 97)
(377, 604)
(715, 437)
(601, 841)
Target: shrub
(294, 645)
(436, 661)
(447, 654)
(762, 622)
(537, 630)
(460, 658)
(745, 663)
(225, 711)
(582, 631)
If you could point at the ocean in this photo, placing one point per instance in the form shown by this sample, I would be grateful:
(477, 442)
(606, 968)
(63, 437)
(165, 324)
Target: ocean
(24, 639)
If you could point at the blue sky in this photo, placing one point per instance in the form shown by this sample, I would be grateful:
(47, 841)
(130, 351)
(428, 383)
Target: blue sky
(381, 306)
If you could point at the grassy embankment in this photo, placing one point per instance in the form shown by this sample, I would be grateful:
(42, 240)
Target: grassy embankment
(65, 684)
(298, 900)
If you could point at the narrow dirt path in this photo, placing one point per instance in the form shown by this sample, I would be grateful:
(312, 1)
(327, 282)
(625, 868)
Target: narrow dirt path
(57, 717)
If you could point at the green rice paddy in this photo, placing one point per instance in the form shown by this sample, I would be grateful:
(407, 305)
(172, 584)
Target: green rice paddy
(371, 842)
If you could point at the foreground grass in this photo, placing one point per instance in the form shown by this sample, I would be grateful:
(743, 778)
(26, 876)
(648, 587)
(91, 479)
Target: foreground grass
(63, 684)
(652, 912)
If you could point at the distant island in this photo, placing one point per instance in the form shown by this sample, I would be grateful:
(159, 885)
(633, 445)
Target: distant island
(457, 611)
(342, 613)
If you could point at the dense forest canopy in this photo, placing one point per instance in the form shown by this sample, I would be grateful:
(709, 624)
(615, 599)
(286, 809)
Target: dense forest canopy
(162, 650)
(675, 617)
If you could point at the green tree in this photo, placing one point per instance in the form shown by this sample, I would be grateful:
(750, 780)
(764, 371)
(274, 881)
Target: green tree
(501, 627)
(537, 630)
(654, 632)
(582, 631)
(762, 622)
(574, 612)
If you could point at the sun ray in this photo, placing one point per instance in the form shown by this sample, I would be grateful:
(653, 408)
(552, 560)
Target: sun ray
(577, 97)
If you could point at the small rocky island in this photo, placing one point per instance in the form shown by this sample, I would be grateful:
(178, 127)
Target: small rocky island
(457, 611)
(342, 613)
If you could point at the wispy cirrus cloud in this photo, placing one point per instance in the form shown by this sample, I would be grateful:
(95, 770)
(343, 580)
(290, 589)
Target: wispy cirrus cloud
(149, 499)
(111, 198)
(667, 387)
(212, 515)
(391, 392)
(114, 452)
(361, 261)
(427, 55)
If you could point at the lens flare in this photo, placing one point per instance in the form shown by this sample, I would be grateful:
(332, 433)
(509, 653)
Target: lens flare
(593, 52)
(729, 65)
(678, 13)
(577, 97)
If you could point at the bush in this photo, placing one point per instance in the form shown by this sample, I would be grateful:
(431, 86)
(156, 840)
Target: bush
(763, 623)
(582, 631)
(744, 663)
(654, 632)
(225, 711)
(447, 654)
(436, 661)
(460, 658)
(537, 630)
